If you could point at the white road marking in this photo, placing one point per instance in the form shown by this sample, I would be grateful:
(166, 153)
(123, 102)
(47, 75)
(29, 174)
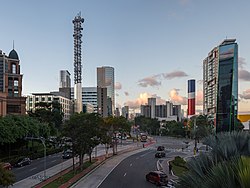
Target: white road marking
(130, 164)
(125, 174)
(33, 169)
(53, 161)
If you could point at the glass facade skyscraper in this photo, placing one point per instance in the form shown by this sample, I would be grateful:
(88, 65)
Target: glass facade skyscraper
(220, 85)
(227, 96)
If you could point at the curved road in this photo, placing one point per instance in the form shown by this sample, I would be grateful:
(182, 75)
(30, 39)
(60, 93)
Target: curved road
(131, 171)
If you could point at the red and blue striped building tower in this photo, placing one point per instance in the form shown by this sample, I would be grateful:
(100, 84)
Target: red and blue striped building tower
(191, 98)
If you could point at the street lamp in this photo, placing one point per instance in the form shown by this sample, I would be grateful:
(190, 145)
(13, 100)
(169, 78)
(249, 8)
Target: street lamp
(44, 146)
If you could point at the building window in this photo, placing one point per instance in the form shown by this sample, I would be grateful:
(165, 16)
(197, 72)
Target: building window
(49, 98)
(16, 83)
(43, 98)
(14, 68)
(15, 93)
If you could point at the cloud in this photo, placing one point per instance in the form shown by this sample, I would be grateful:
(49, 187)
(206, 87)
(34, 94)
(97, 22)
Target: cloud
(118, 86)
(126, 93)
(149, 81)
(241, 62)
(174, 74)
(244, 75)
(176, 98)
(245, 94)
(159, 100)
(143, 99)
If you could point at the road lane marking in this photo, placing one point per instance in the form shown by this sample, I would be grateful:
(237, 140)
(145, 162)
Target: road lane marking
(53, 161)
(130, 164)
(33, 169)
(125, 174)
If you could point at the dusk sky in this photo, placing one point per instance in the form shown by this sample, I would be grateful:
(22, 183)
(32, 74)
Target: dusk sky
(155, 46)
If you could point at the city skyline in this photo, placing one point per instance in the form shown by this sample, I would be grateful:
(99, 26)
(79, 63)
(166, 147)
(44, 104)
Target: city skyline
(154, 47)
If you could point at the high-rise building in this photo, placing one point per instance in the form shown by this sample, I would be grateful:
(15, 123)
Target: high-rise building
(65, 84)
(191, 98)
(220, 84)
(106, 79)
(102, 107)
(65, 80)
(11, 99)
(78, 20)
(125, 112)
(152, 103)
(89, 97)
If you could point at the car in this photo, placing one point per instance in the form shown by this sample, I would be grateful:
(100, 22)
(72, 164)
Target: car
(6, 166)
(23, 161)
(160, 148)
(160, 154)
(67, 154)
(157, 177)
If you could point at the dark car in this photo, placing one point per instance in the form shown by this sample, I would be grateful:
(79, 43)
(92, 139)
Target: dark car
(67, 154)
(6, 166)
(160, 154)
(23, 162)
(160, 148)
(157, 177)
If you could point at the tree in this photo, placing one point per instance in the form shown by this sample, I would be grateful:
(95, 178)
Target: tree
(7, 178)
(84, 130)
(227, 165)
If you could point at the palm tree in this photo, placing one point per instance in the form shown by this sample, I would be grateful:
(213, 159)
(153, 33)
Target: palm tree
(227, 165)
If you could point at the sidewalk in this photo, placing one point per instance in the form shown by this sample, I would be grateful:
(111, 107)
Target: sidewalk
(63, 167)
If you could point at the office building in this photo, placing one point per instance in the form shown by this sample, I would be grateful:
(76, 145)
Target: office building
(117, 112)
(65, 103)
(220, 84)
(152, 103)
(89, 98)
(65, 84)
(11, 99)
(106, 79)
(102, 107)
(125, 112)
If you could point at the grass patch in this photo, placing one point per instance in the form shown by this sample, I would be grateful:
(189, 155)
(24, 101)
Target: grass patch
(66, 177)
(178, 170)
(178, 166)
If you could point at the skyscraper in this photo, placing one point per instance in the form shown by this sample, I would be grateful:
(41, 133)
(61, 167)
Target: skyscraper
(152, 103)
(106, 79)
(220, 84)
(78, 20)
(65, 81)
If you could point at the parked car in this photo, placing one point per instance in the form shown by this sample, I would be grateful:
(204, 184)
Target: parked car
(160, 148)
(157, 177)
(160, 154)
(6, 166)
(23, 161)
(67, 154)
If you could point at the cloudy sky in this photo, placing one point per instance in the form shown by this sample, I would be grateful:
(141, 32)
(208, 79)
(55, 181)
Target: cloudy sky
(155, 46)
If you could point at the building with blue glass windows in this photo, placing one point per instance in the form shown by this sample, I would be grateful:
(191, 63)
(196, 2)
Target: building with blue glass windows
(220, 85)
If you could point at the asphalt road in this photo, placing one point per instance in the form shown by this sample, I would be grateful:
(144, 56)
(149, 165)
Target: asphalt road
(131, 171)
(37, 166)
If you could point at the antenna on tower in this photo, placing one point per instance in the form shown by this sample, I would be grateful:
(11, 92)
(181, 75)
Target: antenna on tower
(13, 44)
